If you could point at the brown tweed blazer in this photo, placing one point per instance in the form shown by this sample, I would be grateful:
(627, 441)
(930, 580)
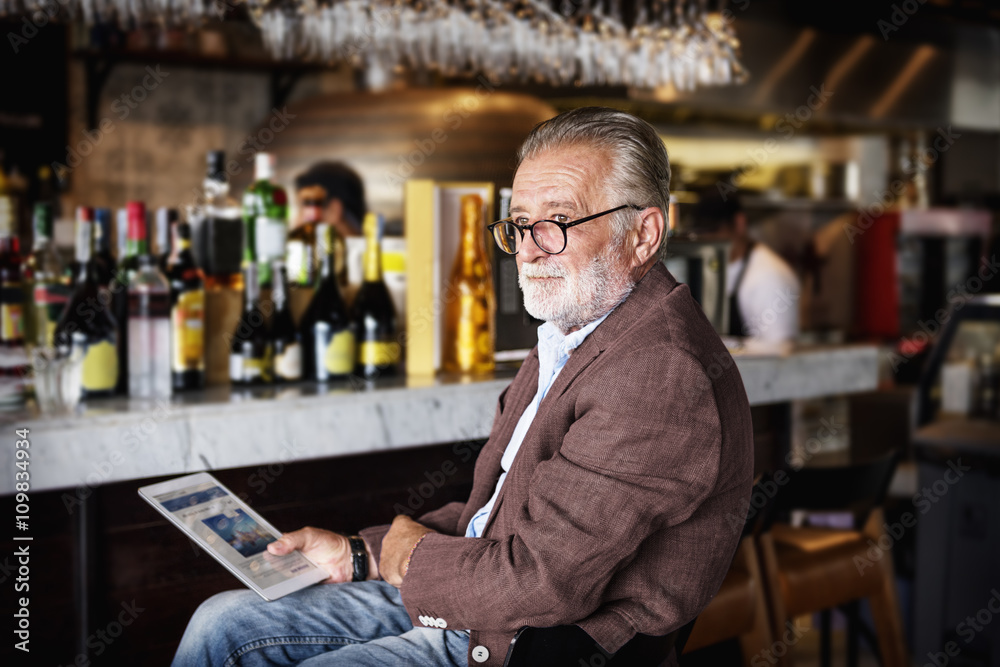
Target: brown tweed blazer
(618, 511)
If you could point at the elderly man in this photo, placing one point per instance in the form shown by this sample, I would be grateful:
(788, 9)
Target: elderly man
(618, 456)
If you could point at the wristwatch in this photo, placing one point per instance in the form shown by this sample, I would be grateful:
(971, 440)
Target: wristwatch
(359, 558)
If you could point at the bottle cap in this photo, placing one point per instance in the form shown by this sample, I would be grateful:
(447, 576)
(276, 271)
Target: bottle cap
(216, 162)
(136, 220)
(84, 213)
(263, 166)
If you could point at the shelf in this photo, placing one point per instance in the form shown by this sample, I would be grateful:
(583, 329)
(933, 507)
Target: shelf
(98, 65)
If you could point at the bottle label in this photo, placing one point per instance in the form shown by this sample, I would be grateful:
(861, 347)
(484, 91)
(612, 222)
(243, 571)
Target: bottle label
(188, 341)
(300, 265)
(11, 314)
(270, 238)
(252, 368)
(334, 351)
(11, 322)
(288, 364)
(50, 301)
(100, 364)
(339, 356)
(235, 367)
(378, 353)
(244, 368)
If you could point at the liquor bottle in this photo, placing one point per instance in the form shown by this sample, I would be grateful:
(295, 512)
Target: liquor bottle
(301, 253)
(250, 356)
(148, 317)
(374, 316)
(11, 290)
(329, 338)
(469, 319)
(162, 231)
(113, 282)
(217, 229)
(87, 331)
(187, 313)
(47, 190)
(74, 270)
(286, 340)
(121, 233)
(136, 245)
(47, 289)
(265, 218)
(103, 236)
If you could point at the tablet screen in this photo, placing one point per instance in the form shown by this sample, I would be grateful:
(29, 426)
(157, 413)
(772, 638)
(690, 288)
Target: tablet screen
(218, 519)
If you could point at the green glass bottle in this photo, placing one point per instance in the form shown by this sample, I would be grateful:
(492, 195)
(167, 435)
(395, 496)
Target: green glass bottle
(265, 220)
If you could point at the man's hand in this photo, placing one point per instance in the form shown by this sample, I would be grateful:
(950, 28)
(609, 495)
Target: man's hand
(396, 546)
(331, 551)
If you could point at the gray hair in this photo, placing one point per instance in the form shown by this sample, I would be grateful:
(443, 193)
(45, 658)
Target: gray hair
(640, 167)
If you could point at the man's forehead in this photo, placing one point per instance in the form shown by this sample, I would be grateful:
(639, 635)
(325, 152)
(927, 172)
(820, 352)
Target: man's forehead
(563, 177)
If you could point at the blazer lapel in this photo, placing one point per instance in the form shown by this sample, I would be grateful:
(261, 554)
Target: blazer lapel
(521, 391)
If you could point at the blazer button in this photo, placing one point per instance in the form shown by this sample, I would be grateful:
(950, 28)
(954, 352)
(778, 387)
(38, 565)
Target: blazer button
(480, 654)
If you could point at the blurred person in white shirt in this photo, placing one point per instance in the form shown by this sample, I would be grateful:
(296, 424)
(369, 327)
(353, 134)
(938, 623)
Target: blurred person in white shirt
(762, 289)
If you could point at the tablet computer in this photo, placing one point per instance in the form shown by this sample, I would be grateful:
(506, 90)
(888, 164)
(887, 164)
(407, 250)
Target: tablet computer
(236, 536)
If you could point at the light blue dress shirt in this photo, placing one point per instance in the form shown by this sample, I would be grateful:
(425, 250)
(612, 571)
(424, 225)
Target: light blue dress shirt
(553, 352)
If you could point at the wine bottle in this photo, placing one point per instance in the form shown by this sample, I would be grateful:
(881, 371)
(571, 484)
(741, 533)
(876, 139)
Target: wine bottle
(85, 331)
(217, 229)
(301, 254)
(136, 245)
(162, 235)
(11, 290)
(187, 313)
(374, 316)
(106, 264)
(148, 315)
(329, 337)
(286, 340)
(47, 287)
(250, 357)
(469, 337)
(265, 218)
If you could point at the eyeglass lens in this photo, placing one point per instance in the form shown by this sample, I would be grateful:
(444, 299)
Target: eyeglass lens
(548, 236)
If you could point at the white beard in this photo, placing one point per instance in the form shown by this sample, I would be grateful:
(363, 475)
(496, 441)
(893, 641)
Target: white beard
(569, 304)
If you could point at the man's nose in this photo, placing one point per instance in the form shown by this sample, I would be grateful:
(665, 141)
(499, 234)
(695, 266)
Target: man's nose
(529, 250)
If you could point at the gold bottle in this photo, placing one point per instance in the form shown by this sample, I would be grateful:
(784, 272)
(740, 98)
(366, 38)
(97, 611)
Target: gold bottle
(470, 316)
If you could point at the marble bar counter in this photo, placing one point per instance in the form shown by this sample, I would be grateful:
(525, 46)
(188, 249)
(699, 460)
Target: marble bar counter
(112, 440)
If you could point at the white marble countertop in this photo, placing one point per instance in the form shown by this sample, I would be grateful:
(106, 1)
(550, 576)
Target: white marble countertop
(111, 440)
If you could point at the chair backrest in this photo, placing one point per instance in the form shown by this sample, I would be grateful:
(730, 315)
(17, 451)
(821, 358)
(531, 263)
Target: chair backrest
(857, 487)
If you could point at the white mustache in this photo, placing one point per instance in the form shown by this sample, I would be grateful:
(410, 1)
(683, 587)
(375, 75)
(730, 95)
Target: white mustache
(543, 271)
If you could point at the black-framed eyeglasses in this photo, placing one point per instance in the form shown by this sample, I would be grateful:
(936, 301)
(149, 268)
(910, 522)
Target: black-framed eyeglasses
(549, 235)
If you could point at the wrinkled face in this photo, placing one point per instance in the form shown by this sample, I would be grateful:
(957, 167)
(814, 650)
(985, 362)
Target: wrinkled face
(592, 275)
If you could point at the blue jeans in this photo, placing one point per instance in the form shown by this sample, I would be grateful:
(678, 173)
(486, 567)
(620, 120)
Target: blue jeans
(360, 624)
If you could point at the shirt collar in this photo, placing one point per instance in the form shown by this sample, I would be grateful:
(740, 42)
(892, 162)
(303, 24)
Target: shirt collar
(554, 347)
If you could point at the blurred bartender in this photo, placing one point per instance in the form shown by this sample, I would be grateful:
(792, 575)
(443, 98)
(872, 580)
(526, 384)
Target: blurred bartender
(762, 288)
(330, 193)
(333, 193)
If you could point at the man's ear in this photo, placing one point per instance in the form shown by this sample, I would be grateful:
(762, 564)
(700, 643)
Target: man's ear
(650, 233)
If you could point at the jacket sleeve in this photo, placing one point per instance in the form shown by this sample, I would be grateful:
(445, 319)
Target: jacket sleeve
(642, 454)
(444, 520)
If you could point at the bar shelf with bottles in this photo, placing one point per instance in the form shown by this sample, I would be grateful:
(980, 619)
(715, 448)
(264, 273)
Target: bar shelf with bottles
(216, 293)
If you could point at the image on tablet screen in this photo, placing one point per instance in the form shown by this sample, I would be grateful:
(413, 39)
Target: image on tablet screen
(240, 531)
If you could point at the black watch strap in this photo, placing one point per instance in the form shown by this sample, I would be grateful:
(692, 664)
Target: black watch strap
(359, 558)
